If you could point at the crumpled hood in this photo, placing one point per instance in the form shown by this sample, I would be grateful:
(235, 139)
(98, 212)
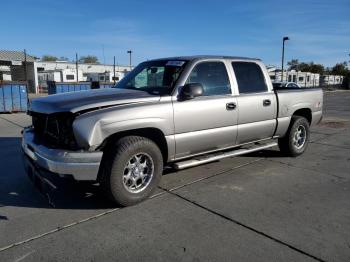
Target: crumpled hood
(83, 100)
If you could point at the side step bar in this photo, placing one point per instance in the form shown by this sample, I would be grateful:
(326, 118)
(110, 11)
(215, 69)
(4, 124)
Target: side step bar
(219, 156)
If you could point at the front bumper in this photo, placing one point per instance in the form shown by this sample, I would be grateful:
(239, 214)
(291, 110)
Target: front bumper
(81, 165)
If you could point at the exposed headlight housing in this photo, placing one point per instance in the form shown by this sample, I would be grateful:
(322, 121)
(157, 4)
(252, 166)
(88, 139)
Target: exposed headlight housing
(54, 130)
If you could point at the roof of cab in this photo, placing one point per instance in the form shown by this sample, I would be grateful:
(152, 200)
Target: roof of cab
(202, 57)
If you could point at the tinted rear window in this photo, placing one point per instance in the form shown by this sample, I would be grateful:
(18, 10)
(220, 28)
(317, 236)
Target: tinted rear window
(249, 77)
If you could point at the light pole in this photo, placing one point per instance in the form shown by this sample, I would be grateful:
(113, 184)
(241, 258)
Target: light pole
(76, 66)
(129, 52)
(114, 70)
(284, 39)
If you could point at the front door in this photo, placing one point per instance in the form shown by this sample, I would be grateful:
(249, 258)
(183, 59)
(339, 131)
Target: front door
(208, 122)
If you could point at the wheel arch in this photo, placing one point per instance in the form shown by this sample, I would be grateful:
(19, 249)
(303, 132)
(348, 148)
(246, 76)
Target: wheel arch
(304, 112)
(154, 134)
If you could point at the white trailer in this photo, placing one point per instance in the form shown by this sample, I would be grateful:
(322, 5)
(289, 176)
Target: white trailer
(58, 75)
(104, 77)
(61, 75)
(332, 79)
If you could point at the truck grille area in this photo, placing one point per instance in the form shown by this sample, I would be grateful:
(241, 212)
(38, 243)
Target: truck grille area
(54, 130)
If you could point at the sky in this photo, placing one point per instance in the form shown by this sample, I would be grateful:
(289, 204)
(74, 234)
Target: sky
(319, 31)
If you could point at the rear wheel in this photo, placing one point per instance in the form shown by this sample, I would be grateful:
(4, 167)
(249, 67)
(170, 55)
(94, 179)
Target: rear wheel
(133, 169)
(297, 138)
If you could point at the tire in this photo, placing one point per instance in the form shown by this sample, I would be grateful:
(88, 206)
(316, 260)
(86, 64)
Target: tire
(292, 144)
(132, 170)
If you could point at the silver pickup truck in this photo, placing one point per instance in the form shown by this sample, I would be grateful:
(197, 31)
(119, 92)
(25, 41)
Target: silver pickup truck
(179, 112)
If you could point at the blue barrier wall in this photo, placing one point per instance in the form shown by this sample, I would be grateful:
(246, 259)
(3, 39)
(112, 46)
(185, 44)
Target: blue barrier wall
(58, 88)
(106, 85)
(13, 97)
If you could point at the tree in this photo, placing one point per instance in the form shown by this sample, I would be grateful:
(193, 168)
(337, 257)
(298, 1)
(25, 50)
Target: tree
(49, 58)
(316, 68)
(89, 59)
(340, 69)
(304, 67)
(63, 58)
(346, 81)
(293, 64)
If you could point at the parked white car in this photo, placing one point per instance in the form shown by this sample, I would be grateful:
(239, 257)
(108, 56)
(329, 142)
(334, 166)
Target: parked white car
(285, 85)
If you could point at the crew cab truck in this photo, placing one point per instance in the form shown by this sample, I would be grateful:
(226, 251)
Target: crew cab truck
(180, 111)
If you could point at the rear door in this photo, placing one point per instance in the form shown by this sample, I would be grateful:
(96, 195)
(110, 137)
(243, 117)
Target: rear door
(256, 102)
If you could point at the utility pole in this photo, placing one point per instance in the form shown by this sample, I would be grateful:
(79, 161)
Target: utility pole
(129, 52)
(114, 69)
(76, 65)
(284, 39)
(25, 65)
(25, 74)
(297, 79)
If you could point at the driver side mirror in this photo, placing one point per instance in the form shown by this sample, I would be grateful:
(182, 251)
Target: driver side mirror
(190, 91)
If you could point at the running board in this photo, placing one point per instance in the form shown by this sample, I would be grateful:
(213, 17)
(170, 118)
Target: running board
(207, 159)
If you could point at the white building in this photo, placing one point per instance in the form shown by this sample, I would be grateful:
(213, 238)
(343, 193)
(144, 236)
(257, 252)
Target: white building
(87, 72)
(16, 66)
(303, 79)
(5, 73)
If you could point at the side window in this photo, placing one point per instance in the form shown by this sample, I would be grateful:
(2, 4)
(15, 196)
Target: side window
(70, 77)
(249, 77)
(213, 77)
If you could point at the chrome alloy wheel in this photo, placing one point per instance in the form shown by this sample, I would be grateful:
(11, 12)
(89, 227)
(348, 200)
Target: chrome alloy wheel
(138, 173)
(299, 137)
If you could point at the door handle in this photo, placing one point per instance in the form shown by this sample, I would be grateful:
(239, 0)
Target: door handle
(267, 102)
(230, 106)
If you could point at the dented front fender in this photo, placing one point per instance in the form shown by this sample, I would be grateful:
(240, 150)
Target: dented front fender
(92, 128)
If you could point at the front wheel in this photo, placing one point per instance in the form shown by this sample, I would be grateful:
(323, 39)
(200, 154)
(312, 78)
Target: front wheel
(297, 138)
(133, 169)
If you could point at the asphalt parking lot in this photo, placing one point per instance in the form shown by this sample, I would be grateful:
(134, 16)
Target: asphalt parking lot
(259, 207)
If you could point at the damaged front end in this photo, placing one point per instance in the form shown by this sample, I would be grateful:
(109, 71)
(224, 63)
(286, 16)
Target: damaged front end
(54, 130)
(50, 145)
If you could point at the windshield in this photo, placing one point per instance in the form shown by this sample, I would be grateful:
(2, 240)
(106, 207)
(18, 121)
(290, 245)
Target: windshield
(155, 77)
